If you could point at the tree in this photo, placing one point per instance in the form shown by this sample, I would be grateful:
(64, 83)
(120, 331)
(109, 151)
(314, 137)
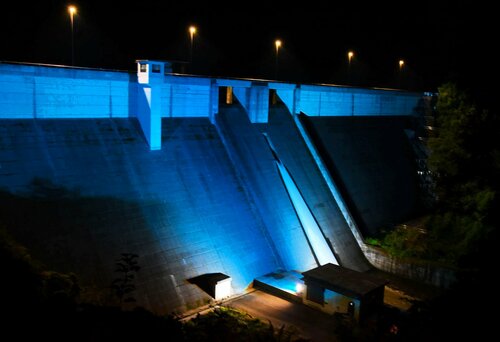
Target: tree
(123, 286)
(465, 161)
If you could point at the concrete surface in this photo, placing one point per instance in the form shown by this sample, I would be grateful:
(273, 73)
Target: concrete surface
(373, 164)
(301, 165)
(78, 193)
(257, 170)
(309, 323)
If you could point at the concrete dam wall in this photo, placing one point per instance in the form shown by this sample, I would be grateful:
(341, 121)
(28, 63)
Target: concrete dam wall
(295, 155)
(254, 162)
(80, 192)
(373, 164)
(97, 163)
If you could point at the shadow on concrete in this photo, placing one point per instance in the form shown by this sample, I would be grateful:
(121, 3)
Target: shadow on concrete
(372, 163)
(71, 232)
(208, 281)
(334, 172)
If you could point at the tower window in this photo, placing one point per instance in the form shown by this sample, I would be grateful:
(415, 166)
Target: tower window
(156, 68)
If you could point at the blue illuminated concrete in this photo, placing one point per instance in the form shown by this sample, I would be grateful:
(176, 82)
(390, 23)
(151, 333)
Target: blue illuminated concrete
(255, 100)
(285, 284)
(288, 94)
(34, 91)
(149, 95)
(41, 91)
(181, 209)
(153, 164)
(256, 167)
(329, 180)
(294, 153)
(184, 96)
(319, 246)
(324, 100)
(149, 114)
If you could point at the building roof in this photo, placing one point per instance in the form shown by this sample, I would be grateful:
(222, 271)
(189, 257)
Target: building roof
(343, 280)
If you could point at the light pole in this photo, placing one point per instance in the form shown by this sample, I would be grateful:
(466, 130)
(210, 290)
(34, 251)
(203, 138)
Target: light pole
(350, 55)
(192, 32)
(277, 43)
(401, 64)
(72, 12)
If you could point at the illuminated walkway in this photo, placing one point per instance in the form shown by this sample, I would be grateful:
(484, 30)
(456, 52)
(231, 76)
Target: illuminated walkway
(310, 323)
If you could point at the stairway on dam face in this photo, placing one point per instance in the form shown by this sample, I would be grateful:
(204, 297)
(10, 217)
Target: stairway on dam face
(78, 193)
(294, 153)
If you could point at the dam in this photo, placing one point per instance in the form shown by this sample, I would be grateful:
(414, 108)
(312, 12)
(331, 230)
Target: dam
(198, 175)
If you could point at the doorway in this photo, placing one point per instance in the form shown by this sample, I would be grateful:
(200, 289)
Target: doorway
(226, 96)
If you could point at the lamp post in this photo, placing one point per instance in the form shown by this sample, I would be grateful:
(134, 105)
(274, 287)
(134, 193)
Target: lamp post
(192, 32)
(350, 55)
(72, 12)
(401, 64)
(277, 43)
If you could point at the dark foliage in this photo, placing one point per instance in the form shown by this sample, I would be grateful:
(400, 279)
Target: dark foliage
(465, 165)
(465, 160)
(123, 286)
(227, 324)
(44, 305)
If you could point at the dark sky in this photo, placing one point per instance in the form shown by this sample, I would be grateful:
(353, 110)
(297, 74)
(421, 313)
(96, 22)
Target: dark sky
(439, 41)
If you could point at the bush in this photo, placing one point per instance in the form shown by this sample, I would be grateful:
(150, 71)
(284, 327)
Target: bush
(406, 242)
(228, 324)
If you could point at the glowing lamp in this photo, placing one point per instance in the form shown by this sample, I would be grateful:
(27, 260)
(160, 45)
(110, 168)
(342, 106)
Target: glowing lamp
(350, 55)
(223, 288)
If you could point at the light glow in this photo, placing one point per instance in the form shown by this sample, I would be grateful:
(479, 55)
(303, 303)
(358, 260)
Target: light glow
(223, 289)
(350, 55)
(320, 248)
(192, 31)
(278, 44)
(72, 12)
(401, 63)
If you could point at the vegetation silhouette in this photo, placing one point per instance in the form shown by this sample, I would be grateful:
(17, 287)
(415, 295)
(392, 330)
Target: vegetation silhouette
(127, 267)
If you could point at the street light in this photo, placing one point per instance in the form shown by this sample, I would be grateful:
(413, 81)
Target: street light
(401, 64)
(350, 55)
(192, 32)
(278, 44)
(72, 12)
(400, 78)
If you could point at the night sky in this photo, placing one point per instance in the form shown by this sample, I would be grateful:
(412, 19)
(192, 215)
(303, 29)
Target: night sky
(439, 41)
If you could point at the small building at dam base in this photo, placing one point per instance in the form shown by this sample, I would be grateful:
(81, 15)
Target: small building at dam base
(334, 289)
